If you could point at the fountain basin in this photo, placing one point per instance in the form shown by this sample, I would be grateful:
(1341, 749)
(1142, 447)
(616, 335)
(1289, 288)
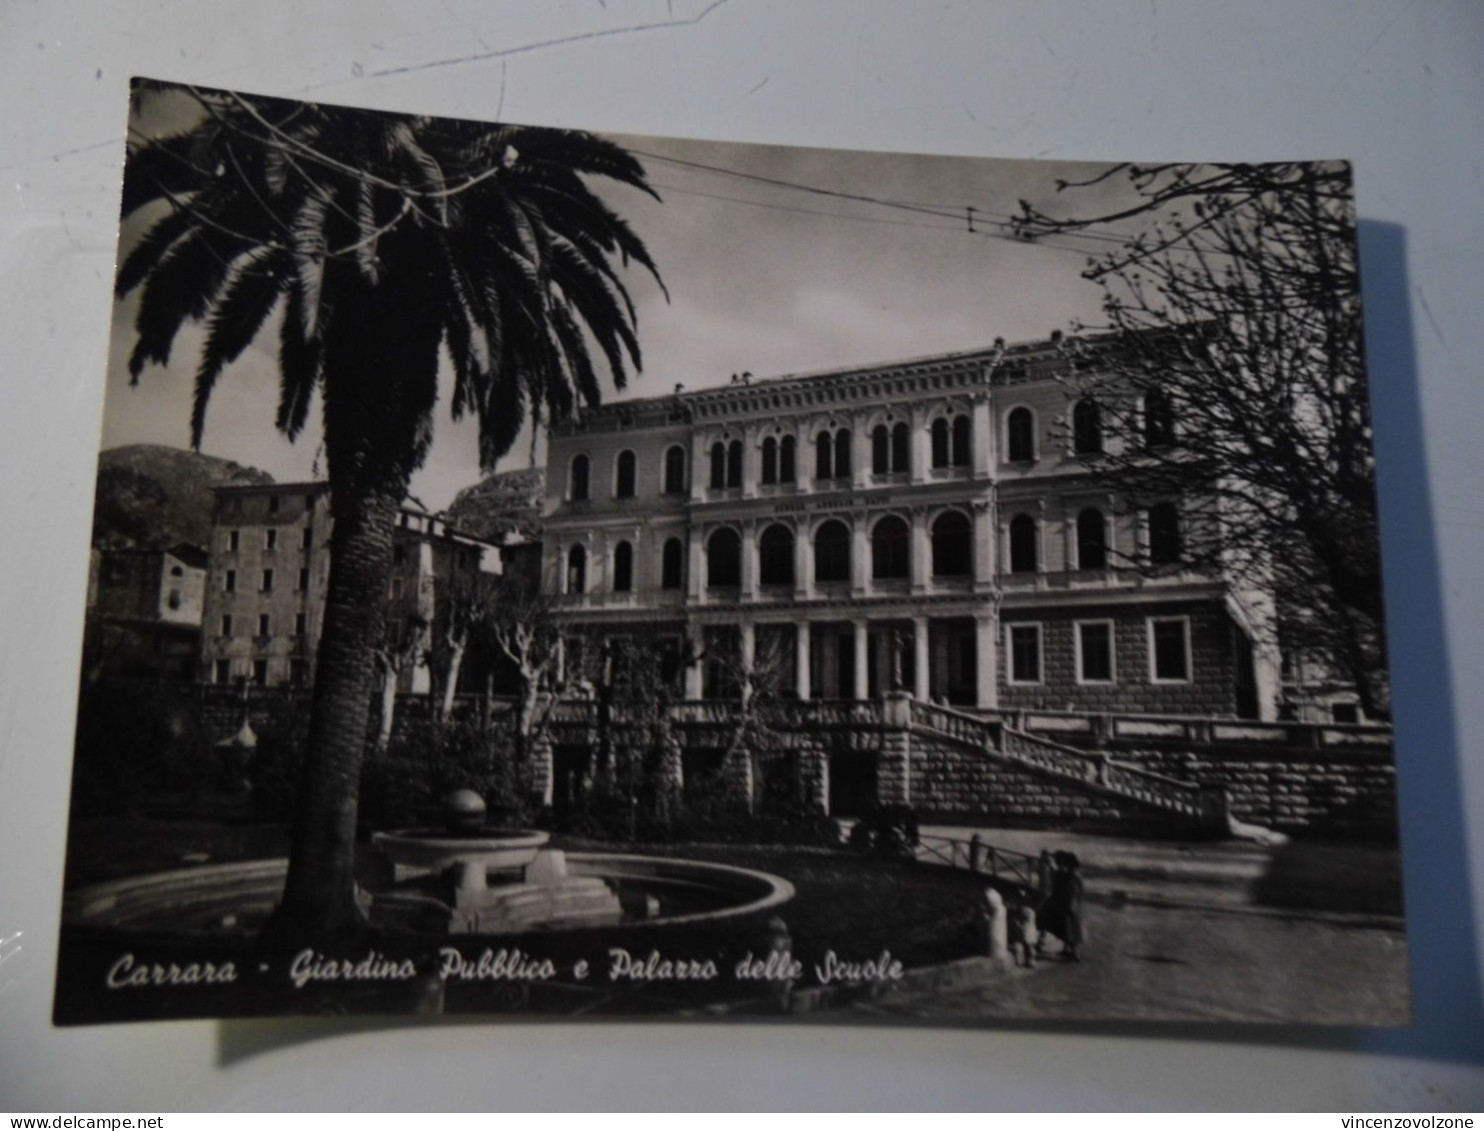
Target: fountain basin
(436, 850)
(234, 899)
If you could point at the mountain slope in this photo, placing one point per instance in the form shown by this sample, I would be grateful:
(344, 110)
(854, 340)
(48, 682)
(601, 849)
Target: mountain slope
(150, 496)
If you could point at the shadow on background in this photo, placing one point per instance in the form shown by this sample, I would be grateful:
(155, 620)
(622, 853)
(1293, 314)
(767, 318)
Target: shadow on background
(1447, 1001)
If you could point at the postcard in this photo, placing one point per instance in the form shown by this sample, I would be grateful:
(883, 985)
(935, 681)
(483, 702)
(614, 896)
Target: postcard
(544, 572)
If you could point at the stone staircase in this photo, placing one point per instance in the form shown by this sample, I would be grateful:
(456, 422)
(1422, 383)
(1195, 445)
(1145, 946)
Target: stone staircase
(1203, 809)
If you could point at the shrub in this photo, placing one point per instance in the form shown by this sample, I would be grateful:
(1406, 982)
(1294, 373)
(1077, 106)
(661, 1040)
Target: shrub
(405, 783)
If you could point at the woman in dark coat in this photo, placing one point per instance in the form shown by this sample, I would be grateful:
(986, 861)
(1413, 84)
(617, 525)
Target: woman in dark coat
(1061, 914)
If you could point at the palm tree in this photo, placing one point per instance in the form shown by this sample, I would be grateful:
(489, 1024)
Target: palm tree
(383, 238)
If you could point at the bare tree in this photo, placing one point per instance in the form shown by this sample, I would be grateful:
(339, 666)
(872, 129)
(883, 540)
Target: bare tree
(1233, 385)
(521, 621)
(403, 646)
(467, 608)
(758, 683)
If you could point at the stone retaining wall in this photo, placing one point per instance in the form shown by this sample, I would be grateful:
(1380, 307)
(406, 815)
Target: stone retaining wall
(956, 783)
(1350, 793)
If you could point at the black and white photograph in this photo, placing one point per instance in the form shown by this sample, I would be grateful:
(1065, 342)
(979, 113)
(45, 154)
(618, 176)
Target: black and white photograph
(560, 573)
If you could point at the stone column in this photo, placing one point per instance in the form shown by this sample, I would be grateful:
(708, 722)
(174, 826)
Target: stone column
(983, 438)
(862, 656)
(919, 445)
(894, 764)
(984, 545)
(749, 560)
(803, 562)
(543, 771)
(695, 578)
(922, 551)
(747, 651)
(700, 467)
(750, 463)
(860, 555)
(801, 659)
(986, 661)
(696, 643)
(860, 452)
(920, 659)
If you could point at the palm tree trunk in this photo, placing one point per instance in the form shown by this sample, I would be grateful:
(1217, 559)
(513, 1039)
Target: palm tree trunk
(319, 900)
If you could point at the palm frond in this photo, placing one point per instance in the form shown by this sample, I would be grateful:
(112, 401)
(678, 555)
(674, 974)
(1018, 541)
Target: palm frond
(235, 321)
(299, 358)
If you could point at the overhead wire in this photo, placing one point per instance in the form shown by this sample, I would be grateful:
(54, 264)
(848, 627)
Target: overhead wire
(964, 214)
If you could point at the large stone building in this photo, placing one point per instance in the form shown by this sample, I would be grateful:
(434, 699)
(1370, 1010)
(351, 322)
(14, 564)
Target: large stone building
(937, 524)
(270, 568)
(144, 611)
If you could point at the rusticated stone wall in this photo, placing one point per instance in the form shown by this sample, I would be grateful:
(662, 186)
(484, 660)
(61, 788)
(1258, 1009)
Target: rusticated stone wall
(956, 783)
(1350, 792)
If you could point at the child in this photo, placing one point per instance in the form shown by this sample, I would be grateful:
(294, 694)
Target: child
(1023, 935)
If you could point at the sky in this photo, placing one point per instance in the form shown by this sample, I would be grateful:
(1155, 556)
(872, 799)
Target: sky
(765, 278)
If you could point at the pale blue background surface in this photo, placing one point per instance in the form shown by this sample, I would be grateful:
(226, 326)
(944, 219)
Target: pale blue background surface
(1396, 87)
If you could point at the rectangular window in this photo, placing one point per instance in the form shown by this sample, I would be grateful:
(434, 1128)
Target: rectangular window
(1169, 649)
(222, 672)
(1344, 713)
(264, 624)
(306, 538)
(301, 624)
(270, 540)
(1095, 651)
(267, 581)
(298, 672)
(1025, 653)
(303, 581)
(229, 583)
(260, 672)
(272, 504)
(234, 540)
(226, 626)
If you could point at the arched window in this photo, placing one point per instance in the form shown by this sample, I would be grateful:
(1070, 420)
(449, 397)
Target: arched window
(576, 570)
(891, 549)
(1159, 419)
(832, 552)
(770, 460)
(961, 437)
(842, 454)
(724, 558)
(1087, 428)
(577, 481)
(776, 556)
(901, 447)
(1092, 540)
(718, 465)
(1020, 436)
(623, 568)
(880, 449)
(787, 459)
(1165, 544)
(953, 553)
(824, 456)
(627, 473)
(672, 565)
(940, 442)
(675, 470)
(734, 464)
(1024, 557)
